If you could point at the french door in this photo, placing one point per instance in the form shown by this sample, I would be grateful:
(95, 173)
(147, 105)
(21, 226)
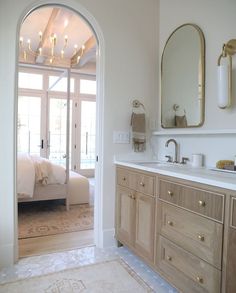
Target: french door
(84, 136)
(29, 124)
(42, 127)
(42, 130)
(57, 130)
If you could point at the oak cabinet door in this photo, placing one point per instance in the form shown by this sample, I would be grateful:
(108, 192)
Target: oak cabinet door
(125, 215)
(144, 225)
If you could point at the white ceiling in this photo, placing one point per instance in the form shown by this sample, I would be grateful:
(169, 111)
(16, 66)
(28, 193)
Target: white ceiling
(62, 22)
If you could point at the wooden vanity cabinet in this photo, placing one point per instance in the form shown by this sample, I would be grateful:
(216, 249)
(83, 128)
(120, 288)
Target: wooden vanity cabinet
(185, 230)
(230, 282)
(135, 212)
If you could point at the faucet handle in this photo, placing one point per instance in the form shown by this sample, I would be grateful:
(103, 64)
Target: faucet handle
(184, 160)
(170, 160)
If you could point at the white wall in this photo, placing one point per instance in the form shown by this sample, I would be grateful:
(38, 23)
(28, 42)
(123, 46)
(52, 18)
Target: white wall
(129, 29)
(217, 20)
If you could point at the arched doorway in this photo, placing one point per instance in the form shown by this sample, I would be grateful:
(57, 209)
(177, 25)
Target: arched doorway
(76, 8)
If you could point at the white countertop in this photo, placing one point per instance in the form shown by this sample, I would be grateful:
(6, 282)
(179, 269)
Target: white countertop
(201, 175)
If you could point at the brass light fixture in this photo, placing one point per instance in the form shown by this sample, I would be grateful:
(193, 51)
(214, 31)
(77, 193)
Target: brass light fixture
(49, 52)
(225, 74)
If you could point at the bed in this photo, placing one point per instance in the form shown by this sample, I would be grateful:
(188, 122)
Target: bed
(39, 179)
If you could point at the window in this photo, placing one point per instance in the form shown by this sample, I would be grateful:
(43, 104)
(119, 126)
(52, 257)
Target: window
(29, 119)
(88, 86)
(88, 128)
(58, 130)
(61, 85)
(30, 81)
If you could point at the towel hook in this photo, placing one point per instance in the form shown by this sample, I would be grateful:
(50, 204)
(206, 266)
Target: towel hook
(137, 104)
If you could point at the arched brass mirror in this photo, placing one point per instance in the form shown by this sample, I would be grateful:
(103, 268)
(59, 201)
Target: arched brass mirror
(183, 78)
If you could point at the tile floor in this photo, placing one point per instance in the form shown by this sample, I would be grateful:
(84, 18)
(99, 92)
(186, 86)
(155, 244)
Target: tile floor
(39, 265)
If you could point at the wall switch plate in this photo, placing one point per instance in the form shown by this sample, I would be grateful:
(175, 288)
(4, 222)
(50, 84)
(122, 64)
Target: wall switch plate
(121, 137)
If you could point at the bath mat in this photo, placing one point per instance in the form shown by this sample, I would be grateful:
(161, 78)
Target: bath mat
(111, 276)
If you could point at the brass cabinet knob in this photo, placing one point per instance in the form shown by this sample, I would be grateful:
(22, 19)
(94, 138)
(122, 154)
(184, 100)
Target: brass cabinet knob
(142, 184)
(199, 279)
(170, 223)
(124, 178)
(169, 258)
(170, 193)
(201, 237)
(201, 203)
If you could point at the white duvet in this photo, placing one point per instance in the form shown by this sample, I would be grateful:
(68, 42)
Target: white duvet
(34, 169)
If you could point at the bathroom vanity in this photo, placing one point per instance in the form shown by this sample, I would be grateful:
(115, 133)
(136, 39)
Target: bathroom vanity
(181, 221)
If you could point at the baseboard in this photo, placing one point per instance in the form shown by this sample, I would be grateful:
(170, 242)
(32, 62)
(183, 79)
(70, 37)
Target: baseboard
(109, 238)
(7, 255)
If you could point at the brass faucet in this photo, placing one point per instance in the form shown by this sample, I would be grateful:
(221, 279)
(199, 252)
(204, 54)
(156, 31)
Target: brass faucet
(176, 148)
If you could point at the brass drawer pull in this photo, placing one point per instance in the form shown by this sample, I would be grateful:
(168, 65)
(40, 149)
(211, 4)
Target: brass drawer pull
(202, 238)
(169, 258)
(142, 184)
(201, 203)
(170, 223)
(170, 193)
(199, 279)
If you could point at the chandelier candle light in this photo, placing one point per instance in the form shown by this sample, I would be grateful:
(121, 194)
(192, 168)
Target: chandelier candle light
(46, 51)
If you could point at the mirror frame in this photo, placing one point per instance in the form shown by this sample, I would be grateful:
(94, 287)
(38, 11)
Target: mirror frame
(201, 85)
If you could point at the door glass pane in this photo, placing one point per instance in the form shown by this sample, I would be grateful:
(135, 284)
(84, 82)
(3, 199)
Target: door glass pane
(30, 81)
(88, 86)
(61, 85)
(57, 130)
(88, 127)
(29, 120)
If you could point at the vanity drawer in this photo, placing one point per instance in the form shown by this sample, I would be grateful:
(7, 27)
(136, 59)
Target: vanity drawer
(198, 235)
(122, 177)
(187, 272)
(201, 201)
(142, 183)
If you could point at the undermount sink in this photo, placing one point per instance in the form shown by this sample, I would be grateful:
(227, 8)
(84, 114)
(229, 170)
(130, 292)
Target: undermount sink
(161, 164)
(155, 164)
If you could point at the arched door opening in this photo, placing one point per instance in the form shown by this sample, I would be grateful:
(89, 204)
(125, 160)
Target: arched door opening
(57, 131)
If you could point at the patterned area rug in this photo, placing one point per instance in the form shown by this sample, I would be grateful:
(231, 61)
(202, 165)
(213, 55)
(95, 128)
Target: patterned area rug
(50, 217)
(111, 276)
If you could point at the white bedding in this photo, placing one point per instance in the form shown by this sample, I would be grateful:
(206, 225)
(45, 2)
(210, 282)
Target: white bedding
(34, 169)
(25, 176)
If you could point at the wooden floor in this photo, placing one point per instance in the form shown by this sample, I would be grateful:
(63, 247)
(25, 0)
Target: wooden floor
(55, 243)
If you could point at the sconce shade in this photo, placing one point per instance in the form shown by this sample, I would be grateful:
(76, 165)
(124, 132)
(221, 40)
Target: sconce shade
(224, 92)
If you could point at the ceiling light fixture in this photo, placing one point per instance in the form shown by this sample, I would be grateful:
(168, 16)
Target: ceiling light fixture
(48, 50)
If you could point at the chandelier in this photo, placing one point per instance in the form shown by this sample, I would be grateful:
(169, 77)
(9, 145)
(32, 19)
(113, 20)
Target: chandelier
(49, 51)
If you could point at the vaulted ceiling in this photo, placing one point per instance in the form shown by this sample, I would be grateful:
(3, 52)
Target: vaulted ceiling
(56, 36)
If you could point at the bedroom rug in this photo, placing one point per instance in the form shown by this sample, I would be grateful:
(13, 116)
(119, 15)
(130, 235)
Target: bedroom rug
(110, 276)
(50, 218)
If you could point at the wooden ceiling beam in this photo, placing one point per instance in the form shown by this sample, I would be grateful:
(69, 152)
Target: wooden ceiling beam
(90, 44)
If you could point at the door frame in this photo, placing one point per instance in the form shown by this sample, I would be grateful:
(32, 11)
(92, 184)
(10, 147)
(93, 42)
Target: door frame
(100, 66)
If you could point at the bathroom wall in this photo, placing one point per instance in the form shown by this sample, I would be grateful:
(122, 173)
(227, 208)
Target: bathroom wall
(130, 33)
(217, 20)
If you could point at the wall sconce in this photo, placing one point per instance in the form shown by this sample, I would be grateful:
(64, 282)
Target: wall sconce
(225, 75)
